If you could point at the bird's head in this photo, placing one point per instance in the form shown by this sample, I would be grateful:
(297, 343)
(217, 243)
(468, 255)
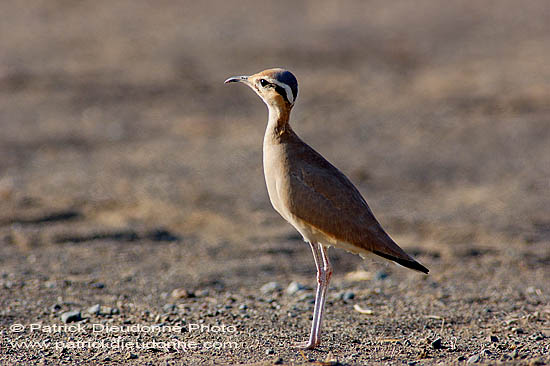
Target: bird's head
(277, 87)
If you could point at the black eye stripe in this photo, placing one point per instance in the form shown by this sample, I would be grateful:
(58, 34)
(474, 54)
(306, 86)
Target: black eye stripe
(282, 92)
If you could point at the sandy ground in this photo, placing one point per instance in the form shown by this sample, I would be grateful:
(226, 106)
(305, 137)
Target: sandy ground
(131, 177)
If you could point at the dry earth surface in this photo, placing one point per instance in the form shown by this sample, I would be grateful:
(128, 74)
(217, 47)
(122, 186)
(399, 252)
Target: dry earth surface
(130, 177)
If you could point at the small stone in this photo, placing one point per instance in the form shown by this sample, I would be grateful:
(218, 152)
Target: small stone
(437, 344)
(132, 356)
(412, 363)
(359, 275)
(461, 358)
(270, 287)
(95, 310)
(55, 307)
(474, 359)
(493, 338)
(278, 361)
(381, 275)
(202, 293)
(348, 295)
(294, 287)
(243, 307)
(71, 316)
(269, 352)
(98, 285)
(115, 311)
(330, 360)
(181, 293)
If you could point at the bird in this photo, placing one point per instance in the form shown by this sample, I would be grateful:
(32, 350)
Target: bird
(312, 195)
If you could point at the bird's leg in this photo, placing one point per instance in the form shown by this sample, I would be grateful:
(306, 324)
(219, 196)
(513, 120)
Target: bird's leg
(314, 338)
(327, 271)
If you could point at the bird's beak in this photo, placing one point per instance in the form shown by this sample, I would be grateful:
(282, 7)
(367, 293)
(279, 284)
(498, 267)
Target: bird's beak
(237, 79)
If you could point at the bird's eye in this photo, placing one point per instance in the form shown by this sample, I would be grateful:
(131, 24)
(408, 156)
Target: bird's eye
(263, 82)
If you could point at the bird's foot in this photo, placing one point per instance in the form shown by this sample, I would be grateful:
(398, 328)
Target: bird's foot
(306, 345)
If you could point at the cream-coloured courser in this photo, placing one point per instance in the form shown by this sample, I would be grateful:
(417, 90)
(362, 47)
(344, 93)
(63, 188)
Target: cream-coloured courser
(312, 195)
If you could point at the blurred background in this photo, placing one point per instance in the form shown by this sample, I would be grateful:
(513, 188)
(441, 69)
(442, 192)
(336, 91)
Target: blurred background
(116, 128)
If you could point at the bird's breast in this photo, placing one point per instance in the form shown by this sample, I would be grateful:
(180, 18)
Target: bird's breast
(276, 177)
(272, 173)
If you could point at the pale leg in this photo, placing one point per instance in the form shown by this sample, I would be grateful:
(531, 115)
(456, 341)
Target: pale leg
(323, 277)
(327, 271)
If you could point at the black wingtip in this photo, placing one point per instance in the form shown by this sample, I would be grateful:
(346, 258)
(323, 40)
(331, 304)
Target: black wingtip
(412, 264)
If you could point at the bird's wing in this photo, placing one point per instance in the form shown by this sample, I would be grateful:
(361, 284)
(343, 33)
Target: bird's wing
(321, 195)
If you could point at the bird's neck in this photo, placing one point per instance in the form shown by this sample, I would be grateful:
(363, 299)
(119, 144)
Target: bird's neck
(277, 123)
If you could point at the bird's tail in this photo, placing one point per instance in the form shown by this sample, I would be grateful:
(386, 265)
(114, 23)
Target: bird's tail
(409, 263)
(387, 248)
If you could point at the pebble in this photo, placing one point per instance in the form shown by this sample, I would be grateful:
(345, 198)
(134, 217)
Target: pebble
(181, 293)
(294, 287)
(71, 316)
(95, 310)
(55, 307)
(474, 359)
(243, 307)
(437, 344)
(98, 285)
(202, 293)
(493, 338)
(278, 361)
(270, 287)
(381, 275)
(348, 295)
(269, 351)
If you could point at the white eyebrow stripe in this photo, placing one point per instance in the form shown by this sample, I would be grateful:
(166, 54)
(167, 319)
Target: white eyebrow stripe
(289, 94)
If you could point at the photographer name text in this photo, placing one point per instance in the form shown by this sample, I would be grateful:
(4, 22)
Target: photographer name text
(124, 329)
